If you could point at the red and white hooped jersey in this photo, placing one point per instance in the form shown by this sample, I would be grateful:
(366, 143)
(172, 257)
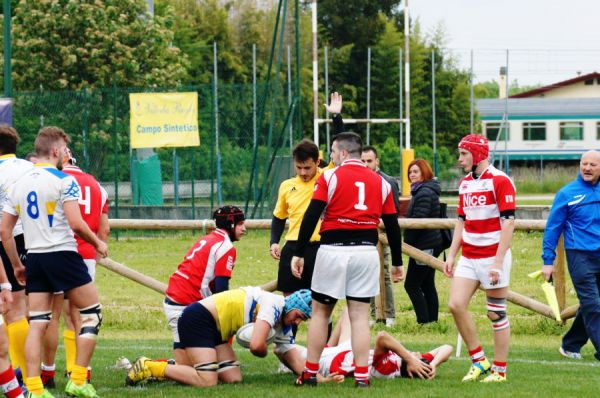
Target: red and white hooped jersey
(481, 201)
(356, 197)
(93, 202)
(211, 256)
(340, 360)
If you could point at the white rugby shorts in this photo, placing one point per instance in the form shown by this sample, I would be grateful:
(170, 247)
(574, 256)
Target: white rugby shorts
(477, 269)
(91, 266)
(342, 271)
(173, 313)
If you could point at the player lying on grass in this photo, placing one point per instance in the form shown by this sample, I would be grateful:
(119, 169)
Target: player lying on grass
(206, 325)
(389, 359)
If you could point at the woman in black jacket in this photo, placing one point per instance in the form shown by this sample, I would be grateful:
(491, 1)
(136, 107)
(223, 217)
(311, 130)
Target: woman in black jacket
(425, 203)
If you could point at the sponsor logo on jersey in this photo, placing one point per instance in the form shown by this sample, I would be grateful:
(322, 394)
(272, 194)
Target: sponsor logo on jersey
(471, 199)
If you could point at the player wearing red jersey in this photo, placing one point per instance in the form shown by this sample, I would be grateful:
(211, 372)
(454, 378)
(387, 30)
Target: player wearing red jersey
(389, 359)
(486, 214)
(352, 199)
(204, 271)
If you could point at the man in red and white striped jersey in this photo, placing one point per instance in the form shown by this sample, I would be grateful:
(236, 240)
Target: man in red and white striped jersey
(486, 214)
(204, 271)
(352, 199)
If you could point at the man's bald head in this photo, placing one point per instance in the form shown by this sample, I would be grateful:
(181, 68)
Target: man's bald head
(589, 166)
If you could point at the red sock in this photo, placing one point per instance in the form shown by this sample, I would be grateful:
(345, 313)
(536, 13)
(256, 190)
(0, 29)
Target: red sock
(311, 368)
(477, 354)
(499, 367)
(361, 373)
(9, 384)
(47, 375)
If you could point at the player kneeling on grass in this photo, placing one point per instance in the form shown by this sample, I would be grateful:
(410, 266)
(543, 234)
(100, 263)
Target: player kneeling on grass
(205, 270)
(205, 327)
(390, 359)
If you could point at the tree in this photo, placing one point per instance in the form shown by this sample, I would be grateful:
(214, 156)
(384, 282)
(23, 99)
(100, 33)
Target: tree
(66, 44)
(197, 25)
(354, 21)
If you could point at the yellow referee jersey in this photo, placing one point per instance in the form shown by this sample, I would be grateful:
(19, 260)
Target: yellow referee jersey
(292, 201)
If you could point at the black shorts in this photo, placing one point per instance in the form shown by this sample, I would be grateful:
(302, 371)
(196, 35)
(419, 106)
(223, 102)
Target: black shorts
(54, 272)
(20, 241)
(286, 282)
(197, 328)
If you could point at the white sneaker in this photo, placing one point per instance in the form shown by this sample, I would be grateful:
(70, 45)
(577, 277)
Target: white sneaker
(569, 354)
(390, 322)
(283, 369)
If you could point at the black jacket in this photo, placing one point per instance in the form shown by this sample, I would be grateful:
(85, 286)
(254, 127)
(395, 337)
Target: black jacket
(425, 203)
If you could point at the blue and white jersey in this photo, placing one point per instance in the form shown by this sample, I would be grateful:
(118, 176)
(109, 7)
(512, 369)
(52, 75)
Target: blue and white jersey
(11, 170)
(37, 198)
(575, 213)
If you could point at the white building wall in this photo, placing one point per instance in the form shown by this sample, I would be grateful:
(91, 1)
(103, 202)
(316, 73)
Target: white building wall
(576, 90)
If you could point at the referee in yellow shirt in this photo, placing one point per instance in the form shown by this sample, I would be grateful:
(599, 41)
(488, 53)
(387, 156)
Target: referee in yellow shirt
(292, 201)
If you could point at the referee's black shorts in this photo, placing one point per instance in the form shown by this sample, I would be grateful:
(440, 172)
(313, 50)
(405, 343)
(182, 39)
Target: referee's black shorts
(286, 282)
(20, 242)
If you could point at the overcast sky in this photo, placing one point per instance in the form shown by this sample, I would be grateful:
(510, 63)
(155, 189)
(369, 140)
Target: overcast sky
(549, 40)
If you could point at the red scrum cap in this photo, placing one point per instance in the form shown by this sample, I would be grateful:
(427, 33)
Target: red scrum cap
(477, 145)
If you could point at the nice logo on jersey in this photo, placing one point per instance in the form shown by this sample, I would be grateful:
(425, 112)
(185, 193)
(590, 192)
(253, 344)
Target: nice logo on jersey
(475, 200)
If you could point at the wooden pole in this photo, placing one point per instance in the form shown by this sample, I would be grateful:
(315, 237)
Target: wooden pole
(438, 264)
(134, 275)
(559, 274)
(380, 300)
(569, 312)
(405, 223)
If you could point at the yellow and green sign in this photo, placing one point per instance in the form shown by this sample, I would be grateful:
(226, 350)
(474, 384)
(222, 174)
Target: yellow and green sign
(161, 120)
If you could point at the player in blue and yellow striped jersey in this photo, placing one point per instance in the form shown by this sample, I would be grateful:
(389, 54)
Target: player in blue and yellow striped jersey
(206, 325)
(46, 201)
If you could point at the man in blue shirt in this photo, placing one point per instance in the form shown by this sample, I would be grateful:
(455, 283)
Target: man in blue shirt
(576, 214)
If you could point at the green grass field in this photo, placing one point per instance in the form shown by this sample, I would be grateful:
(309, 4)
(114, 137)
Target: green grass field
(134, 325)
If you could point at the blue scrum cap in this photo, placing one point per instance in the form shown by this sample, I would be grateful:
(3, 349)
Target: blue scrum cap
(299, 300)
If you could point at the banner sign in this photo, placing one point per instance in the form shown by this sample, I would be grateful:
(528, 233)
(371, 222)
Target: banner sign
(163, 120)
(6, 111)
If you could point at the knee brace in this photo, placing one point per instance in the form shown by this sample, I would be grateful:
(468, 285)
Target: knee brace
(227, 365)
(40, 316)
(206, 367)
(91, 320)
(496, 312)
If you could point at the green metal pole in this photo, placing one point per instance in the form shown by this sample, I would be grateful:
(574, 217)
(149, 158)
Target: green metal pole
(298, 110)
(7, 50)
(116, 151)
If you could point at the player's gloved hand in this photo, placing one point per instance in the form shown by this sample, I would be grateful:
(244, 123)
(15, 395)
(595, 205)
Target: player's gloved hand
(274, 251)
(297, 266)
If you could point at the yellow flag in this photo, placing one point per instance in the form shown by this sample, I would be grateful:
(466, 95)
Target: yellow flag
(550, 293)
